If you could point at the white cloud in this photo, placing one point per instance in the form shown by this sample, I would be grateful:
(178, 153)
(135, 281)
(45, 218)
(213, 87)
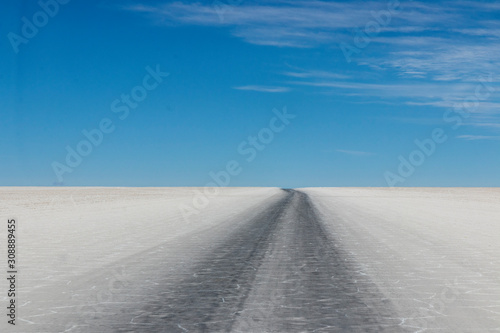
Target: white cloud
(462, 43)
(432, 52)
(478, 137)
(303, 74)
(267, 89)
(427, 91)
(292, 23)
(446, 60)
(278, 23)
(441, 95)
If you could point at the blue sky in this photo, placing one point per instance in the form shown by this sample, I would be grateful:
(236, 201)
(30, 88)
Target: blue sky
(363, 79)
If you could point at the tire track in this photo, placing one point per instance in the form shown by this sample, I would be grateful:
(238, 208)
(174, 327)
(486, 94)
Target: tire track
(281, 272)
(209, 300)
(307, 283)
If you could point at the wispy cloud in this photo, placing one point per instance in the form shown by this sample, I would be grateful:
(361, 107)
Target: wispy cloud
(267, 89)
(462, 44)
(489, 124)
(294, 23)
(425, 121)
(478, 137)
(429, 54)
(448, 60)
(423, 93)
(278, 23)
(307, 74)
(354, 152)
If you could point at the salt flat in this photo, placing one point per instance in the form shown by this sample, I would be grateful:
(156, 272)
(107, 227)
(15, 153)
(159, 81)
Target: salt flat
(433, 252)
(68, 234)
(255, 260)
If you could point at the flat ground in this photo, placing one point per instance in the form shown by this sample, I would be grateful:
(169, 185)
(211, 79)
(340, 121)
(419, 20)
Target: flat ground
(254, 260)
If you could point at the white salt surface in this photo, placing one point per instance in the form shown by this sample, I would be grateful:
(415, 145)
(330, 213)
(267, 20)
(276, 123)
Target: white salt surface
(433, 252)
(85, 254)
(65, 235)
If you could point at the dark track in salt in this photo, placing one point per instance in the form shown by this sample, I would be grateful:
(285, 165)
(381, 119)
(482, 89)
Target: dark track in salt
(280, 272)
